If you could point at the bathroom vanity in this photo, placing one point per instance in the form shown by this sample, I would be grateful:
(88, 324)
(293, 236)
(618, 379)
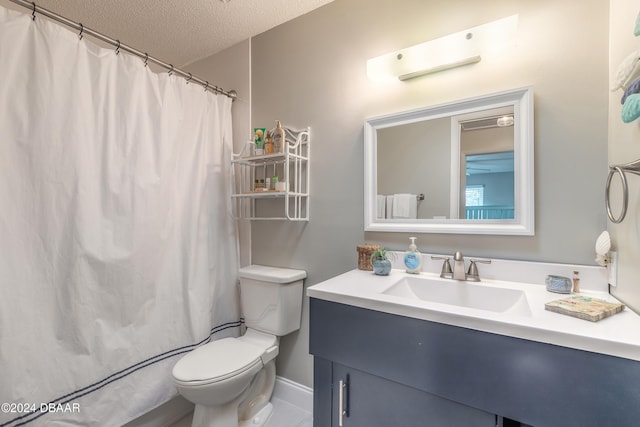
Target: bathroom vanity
(384, 355)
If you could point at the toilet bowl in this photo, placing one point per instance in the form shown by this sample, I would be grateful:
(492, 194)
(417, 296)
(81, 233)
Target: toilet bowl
(231, 380)
(216, 377)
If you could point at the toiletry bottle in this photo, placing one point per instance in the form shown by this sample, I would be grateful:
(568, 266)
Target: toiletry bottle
(279, 142)
(258, 139)
(268, 144)
(413, 258)
(576, 282)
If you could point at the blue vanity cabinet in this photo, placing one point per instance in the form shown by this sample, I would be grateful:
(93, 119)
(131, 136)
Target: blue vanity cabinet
(369, 400)
(401, 371)
(372, 399)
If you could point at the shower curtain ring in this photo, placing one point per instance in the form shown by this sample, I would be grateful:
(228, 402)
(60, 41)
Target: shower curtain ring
(146, 58)
(118, 47)
(80, 35)
(206, 86)
(189, 79)
(33, 12)
(171, 70)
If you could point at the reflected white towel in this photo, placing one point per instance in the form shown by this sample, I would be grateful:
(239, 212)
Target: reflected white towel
(405, 206)
(389, 208)
(381, 206)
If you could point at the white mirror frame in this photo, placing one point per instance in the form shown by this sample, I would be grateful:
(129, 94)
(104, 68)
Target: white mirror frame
(523, 224)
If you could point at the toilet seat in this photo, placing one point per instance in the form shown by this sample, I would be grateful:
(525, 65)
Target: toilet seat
(217, 361)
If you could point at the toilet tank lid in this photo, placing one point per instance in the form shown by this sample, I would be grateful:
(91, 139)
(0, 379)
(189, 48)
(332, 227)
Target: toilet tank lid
(272, 274)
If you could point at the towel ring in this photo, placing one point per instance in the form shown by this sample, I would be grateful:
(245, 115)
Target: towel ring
(634, 168)
(625, 194)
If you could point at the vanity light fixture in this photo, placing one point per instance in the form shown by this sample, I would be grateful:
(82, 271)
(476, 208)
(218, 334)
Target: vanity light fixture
(504, 121)
(455, 50)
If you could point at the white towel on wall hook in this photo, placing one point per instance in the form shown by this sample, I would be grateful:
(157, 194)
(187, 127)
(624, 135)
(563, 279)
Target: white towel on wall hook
(389, 207)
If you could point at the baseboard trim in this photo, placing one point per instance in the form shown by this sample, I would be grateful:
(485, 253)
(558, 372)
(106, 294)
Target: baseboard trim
(178, 407)
(294, 393)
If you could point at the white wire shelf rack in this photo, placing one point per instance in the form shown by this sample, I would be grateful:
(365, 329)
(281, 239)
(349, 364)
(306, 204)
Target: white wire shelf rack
(290, 201)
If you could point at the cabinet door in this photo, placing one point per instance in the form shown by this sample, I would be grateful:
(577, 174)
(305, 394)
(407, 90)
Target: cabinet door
(370, 401)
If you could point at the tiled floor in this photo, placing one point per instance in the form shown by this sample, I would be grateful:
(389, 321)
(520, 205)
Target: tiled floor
(284, 415)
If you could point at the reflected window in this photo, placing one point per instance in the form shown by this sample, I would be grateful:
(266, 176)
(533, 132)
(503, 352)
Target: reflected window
(474, 195)
(489, 186)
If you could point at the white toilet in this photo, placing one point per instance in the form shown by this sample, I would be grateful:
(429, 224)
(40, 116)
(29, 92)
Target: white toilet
(231, 380)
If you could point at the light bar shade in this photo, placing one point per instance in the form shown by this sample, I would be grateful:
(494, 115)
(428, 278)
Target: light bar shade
(457, 49)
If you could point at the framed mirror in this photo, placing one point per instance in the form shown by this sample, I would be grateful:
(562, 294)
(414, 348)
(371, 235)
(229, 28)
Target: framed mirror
(463, 167)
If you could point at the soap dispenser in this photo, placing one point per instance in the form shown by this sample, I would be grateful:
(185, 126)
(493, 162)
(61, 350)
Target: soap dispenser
(413, 258)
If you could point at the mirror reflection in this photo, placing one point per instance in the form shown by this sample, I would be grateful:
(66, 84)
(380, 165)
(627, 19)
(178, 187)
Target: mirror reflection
(486, 188)
(481, 155)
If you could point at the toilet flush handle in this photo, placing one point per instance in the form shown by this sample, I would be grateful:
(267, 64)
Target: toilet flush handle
(269, 354)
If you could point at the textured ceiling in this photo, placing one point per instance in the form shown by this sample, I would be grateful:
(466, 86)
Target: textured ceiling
(179, 32)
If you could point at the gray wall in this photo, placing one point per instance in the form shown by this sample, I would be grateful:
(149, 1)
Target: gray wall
(624, 147)
(312, 72)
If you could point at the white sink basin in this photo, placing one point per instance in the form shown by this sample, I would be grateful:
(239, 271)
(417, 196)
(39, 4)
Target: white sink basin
(461, 294)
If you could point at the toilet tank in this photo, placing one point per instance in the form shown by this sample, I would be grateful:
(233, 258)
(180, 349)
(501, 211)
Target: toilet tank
(271, 298)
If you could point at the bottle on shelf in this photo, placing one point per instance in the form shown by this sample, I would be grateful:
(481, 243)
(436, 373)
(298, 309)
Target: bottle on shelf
(268, 144)
(279, 138)
(259, 186)
(258, 139)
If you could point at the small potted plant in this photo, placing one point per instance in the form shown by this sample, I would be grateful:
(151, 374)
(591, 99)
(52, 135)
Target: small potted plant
(380, 262)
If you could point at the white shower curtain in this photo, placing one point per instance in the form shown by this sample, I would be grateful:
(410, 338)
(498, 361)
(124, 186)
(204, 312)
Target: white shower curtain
(117, 244)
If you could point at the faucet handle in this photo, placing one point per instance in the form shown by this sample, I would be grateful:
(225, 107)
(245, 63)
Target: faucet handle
(447, 272)
(472, 273)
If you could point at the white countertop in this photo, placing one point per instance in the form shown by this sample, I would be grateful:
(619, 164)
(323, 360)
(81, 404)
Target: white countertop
(618, 335)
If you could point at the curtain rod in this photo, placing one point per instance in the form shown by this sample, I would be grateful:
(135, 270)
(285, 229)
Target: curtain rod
(121, 46)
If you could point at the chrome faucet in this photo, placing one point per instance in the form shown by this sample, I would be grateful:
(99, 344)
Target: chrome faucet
(457, 272)
(458, 267)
